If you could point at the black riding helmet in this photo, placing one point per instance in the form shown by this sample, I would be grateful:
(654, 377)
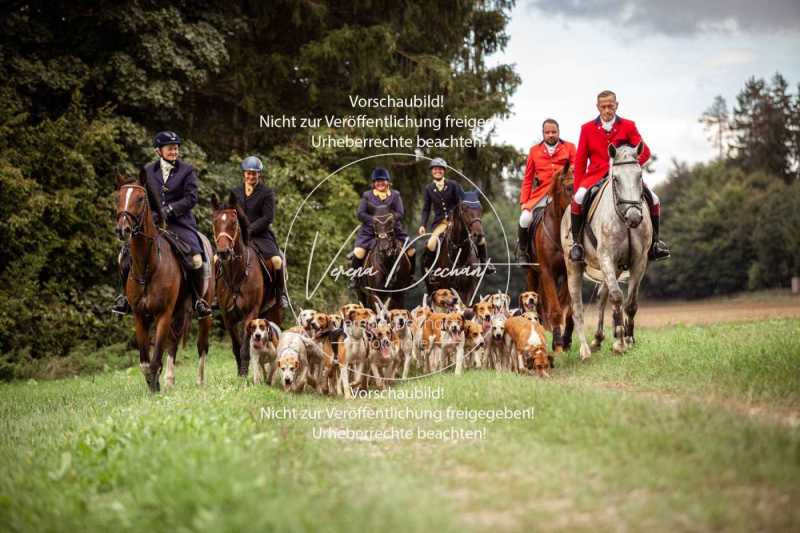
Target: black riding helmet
(164, 138)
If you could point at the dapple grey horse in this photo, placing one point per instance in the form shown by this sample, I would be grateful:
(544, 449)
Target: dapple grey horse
(623, 231)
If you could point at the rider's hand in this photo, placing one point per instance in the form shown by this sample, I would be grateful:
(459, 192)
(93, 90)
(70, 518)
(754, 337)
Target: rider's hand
(421, 230)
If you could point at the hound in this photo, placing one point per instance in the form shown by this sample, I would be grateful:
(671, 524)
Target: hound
(474, 345)
(293, 353)
(496, 355)
(356, 327)
(400, 320)
(500, 303)
(525, 341)
(263, 336)
(382, 354)
(445, 300)
(529, 301)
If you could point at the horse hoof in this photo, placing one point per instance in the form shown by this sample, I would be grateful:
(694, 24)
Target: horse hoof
(594, 346)
(559, 349)
(619, 347)
(200, 382)
(586, 352)
(630, 341)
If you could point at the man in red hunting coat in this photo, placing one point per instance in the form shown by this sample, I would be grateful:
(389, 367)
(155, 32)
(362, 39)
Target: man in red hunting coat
(591, 165)
(545, 160)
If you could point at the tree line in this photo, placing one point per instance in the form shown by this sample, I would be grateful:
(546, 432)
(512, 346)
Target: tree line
(734, 222)
(85, 85)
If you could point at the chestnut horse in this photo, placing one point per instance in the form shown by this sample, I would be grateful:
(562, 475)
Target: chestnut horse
(242, 287)
(550, 282)
(384, 259)
(457, 254)
(156, 289)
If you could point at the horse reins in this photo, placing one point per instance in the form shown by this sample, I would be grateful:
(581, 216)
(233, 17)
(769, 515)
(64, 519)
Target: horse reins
(137, 229)
(618, 202)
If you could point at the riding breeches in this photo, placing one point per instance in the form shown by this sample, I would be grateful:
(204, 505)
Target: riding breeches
(433, 241)
(526, 217)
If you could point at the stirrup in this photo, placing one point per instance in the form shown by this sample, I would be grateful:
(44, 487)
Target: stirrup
(201, 308)
(121, 306)
(576, 253)
(284, 301)
(658, 251)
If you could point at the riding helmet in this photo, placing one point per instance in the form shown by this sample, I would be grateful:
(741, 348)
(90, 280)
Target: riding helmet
(166, 137)
(380, 173)
(438, 162)
(252, 163)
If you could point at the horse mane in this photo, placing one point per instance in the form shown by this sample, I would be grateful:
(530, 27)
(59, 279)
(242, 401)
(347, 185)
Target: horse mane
(558, 178)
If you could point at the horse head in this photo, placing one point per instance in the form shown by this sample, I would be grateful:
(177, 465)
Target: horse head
(562, 188)
(230, 227)
(133, 210)
(383, 225)
(470, 214)
(626, 182)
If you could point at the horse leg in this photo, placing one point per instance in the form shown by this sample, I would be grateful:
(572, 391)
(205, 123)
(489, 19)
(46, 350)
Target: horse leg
(631, 302)
(202, 349)
(162, 332)
(143, 341)
(575, 282)
(616, 296)
(566, 316)
(236, 341)
(599, 336)
(553, 311)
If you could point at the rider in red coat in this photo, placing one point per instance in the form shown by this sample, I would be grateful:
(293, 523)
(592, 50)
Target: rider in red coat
(595, 138)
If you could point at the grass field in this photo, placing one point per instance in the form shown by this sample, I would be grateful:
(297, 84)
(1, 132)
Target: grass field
(696, 428)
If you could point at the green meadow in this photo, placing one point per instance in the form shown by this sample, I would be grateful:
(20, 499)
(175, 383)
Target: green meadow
(695, 428)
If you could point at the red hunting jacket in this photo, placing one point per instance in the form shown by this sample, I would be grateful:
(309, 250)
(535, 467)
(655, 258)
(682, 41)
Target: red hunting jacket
(543, 166)
(593, 148)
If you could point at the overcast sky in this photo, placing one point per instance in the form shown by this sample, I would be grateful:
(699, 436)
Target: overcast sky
(665, 60)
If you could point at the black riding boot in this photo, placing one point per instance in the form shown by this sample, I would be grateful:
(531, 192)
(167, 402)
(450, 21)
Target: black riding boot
(201, 307)
(576, 252)
(280, 288)
(482, 256)
(355, 264)
(658, 250)
(523, 244)
(121, 305)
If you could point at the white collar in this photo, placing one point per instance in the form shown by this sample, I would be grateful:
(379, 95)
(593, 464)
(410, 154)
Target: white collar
(551, 149)
(608, 125)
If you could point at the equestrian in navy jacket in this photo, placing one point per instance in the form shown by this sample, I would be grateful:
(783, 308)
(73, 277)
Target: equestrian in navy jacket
(176, 197)
(260, 210)
(443, 202)
(366, 210)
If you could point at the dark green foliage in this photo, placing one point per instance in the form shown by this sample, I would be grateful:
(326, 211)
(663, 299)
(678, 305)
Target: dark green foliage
(86, 84)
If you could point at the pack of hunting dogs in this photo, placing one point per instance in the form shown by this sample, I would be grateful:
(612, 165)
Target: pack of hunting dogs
(589, 201)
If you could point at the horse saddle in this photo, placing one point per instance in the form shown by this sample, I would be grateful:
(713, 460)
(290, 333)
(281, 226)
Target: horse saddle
(537, 215)
(180, 247)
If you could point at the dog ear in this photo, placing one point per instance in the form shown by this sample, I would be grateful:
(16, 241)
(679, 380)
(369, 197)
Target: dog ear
(251, 327)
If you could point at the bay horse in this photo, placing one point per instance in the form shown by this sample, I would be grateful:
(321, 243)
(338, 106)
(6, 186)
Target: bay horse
(242, 288)
(156, 289)
(457, 253)
(623, 231)
(386, 258)
(550, 281)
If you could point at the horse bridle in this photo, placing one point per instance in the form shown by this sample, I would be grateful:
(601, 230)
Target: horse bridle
(233, 239)
(382, 219)
(136, 222)
(618, 202)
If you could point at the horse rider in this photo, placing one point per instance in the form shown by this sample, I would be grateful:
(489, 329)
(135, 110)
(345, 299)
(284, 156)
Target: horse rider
(258, 202)
(596, 136)
(172, 186)
(443, 195)
(545, 160)
(380, 197)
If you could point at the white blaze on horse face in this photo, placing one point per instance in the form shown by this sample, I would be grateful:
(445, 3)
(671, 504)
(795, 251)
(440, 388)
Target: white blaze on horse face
(128, 194)
(224, 217)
